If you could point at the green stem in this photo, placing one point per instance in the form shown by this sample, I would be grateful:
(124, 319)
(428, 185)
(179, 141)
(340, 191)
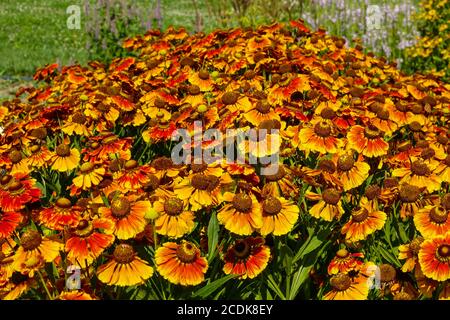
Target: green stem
(44, 285)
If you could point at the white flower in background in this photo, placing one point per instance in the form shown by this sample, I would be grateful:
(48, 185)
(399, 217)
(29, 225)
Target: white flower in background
(373, 17)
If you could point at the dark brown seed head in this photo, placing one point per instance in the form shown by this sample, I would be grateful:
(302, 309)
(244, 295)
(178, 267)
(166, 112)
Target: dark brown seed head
(327, 166)
(322, 129)
(30, 240)
(271, 206)
(331, 196)
(340, 282)
(387, 273)
(360, 215)
(15, 156)
(120, 207)
(187, 252)
(345, 162)
(328, 113)
(372, 192)
(409, 193)
(173, 206)
(123, 253)
(263, 106)
(419, 168)
(63, 150)
(438, 215)
(229, 98)
(242, 202)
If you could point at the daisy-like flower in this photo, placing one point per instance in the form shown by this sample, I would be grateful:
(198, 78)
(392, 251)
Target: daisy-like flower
(125, 268)
(434, 257)
(344, 261)
(128, 214)
(443, 169)
(351, 173)
(8, 223)
(319, 137)
(432, 221)
(347, 287)
(88, 176)
(368, 141)
(260, 111)
(181, 263)
(329, 206)
(174, 219)
(78, 124)
(88, 240)
(65, 158)
(132, 176)
(19, 163)
(107, 146)
(241, 214)
(33, 246)
(16, 191)
(61, 215)
(39, 156)
(363, 222)
(420, 174)
(201, 190)
(233, 101)
(202, 79)
(247, 258)
(409, 252)
(410, 198)
(281, 181)
(164, 166)
(278, 216)
(194, 96)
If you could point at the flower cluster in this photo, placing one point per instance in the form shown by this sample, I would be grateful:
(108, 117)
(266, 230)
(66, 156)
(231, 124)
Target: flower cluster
(432, 51)
(87, 178)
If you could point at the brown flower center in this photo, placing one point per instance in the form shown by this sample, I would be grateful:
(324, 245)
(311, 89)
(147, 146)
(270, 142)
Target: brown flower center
(331, 196)
(345, 162)
(415, 126)
(30, 240)
(120, 207)
(401, 107)
(242, 202)
(271, 206)
(197, 168)
(409, 193)
(327, 166)
(230, 98)
(63, 203)
(84, 229)
(328, 113)
(372, 192)
(443, 253)
(123, 253)
(390, 183)
(160, 103)
(263, 106)
(63, 150)
(162, 163)
(203, 74)
(277, 176)
(322, 129)
(39, 133)
(194, 90)
(442, 139)
(360, 215)
(340, 282)
(15, 156)
(387, 273)
(104, 108)
(241, 249)
(419, 168)
(438, 215)
(86, 167)
(152, 184)
(173, 206)
(187, 252)
(427, 153)
(371, 132)
(79, 118)
(383, 114)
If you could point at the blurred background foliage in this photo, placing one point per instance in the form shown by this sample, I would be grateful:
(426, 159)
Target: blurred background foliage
(35, 33)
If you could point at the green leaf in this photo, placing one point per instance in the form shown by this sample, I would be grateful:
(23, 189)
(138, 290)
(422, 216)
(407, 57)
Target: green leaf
(213, 236)
(273, 285)
(308, 247)
(299, 278)
(211, 287)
